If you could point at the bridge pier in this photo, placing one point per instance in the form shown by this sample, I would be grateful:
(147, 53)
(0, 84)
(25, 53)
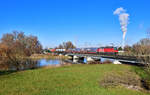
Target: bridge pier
(60, 54)
(91, 59)
(66, 55)
(77, 59)
(70, 57)
(116, 62)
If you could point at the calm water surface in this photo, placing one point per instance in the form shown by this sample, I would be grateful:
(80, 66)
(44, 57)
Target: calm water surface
(49, 62)
(33, 64)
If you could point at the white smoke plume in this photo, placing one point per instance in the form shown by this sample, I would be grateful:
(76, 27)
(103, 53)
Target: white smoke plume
(123, 18)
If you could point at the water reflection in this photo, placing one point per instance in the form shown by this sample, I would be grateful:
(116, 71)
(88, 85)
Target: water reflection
(105, 59)
(24, 65)
(46, 62)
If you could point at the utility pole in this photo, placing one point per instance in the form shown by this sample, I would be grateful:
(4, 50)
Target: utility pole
(148, 33)
(75, 42)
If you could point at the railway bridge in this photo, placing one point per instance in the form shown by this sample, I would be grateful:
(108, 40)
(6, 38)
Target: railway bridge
(118, 59)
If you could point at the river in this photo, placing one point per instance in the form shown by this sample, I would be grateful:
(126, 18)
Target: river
(38, 63)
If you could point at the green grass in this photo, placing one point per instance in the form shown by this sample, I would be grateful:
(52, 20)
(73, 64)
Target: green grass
(67, 80)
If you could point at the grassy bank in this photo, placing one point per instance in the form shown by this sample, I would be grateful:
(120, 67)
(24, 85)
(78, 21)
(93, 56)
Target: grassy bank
(67, 80)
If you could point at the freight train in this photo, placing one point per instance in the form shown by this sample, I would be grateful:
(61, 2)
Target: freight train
(101, 50)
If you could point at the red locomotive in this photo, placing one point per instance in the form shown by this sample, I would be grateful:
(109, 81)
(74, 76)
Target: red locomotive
(107, 49)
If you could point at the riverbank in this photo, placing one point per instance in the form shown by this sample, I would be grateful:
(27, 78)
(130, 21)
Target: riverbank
(48, 56)
(77, 79)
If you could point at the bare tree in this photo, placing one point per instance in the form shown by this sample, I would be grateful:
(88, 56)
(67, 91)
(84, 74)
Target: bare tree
(66, 45)
(142, 50)
(15, 46)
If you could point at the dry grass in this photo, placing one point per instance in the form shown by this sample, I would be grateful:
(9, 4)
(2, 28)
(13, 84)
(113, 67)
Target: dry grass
(47, 56)
(120, 78)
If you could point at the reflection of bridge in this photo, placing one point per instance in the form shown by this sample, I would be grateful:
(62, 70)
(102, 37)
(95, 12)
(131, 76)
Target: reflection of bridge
(97, 57)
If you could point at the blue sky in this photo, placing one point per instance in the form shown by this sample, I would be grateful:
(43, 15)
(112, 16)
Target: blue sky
(84, 22)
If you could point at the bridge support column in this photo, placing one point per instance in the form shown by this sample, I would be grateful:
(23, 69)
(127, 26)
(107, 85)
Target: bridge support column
(60, 54)
(70, 57)
(116, 62)
(66, 55)
(90, 60)
(77, 59)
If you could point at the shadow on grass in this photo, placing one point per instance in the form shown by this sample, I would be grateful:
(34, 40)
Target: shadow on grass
(6, 72)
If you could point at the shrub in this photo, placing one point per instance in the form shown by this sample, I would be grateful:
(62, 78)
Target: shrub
(146, 83)
(146, 80)
(96, 62)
